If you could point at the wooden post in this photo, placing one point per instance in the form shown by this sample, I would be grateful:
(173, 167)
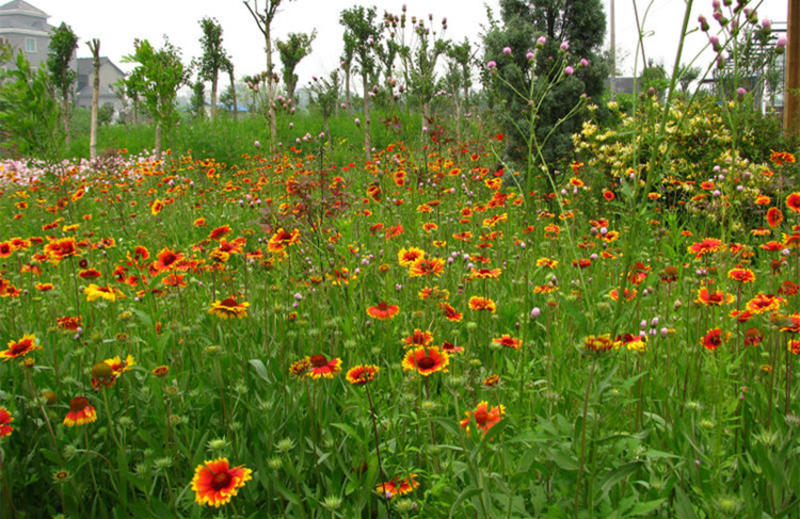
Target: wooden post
(94, 46)
(791, 95)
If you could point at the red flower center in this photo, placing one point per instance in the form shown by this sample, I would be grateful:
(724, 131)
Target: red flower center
(228, 302)
(426, 363)
(20, 347)
(481, 417)
(221, 480)
(318, 361)
(78, 404)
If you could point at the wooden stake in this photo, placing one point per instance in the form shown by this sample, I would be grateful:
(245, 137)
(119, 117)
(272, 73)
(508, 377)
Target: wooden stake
(791, 96)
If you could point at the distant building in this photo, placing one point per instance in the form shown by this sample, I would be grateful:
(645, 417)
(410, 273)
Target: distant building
(25, 28)
(109, 75)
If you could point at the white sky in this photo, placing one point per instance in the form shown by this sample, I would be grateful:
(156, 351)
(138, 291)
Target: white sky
(117, 23)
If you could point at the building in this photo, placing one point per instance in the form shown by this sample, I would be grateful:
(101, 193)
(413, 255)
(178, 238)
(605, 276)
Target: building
(25, 28)
(110, 74)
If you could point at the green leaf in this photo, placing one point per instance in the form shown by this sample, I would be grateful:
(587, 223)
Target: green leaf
(464, 495)
(261, 369)
(646, 507)
(683, 507)
(618, 474)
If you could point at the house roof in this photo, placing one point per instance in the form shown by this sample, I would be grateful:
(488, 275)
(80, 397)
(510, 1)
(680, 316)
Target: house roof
(84, 65)
(22, 5)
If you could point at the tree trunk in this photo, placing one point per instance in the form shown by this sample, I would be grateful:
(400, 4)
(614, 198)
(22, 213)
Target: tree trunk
(273, 118)
(458, 120)
(426, 119)
(347, 97)
(158, 139)
(328, 132)
(233, 92)
(214, 81)
(367, 125)
(94, 46)
(65, 105)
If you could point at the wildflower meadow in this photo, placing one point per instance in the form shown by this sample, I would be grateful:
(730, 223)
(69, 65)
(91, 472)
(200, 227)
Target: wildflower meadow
(440, 323)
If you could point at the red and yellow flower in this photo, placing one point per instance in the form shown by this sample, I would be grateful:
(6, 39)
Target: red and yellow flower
(321, 367)
(361, 374)
(508, 341)
(229, 308)
(482, 303)
(215, 482)
(5, 421)
(81, 412)
(485, 417)
(426, 361)
(20, 348)
(383, 311)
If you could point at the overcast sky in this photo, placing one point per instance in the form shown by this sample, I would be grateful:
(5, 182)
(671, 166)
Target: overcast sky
(117, 23)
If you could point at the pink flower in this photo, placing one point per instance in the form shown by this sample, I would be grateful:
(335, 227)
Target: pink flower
(529, 55)
(491, 65)
(541, 41)
(507, 51)
(568, 71)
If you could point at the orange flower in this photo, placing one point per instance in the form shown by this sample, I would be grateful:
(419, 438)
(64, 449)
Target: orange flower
(780, 157)
(321, 367)
(484, 273)
(282, 239)
(426, 267)
(215, 482)
(229, 308)
(219, 232)
(508, 341)
(80, 412)
(406, 257)
(425, 361)
(716, 298)
(167, 259)
(360, 375)
(706, 246)
(383, 311)
(485, 418)
(598, 343)
(482, 303)
(20, 348)
(774, 217)
(793, 202)
(450, 313)
(5, 420)
(762, 303)
(397, 486)
(57, 250)
(742, 275)
(418, 338)
(714, 338)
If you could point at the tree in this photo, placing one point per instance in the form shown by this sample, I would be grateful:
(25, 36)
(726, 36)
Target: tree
(156, 79)
(94, 47)
(325, 94)
(213, 59)
(346, 62)
(63, 43)
(28, 110)
(294, 48)
(420, 58)
(569, 30)
(232, 78)
(458, 78)
(264, 22)
(360, 27)
(197, 103)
